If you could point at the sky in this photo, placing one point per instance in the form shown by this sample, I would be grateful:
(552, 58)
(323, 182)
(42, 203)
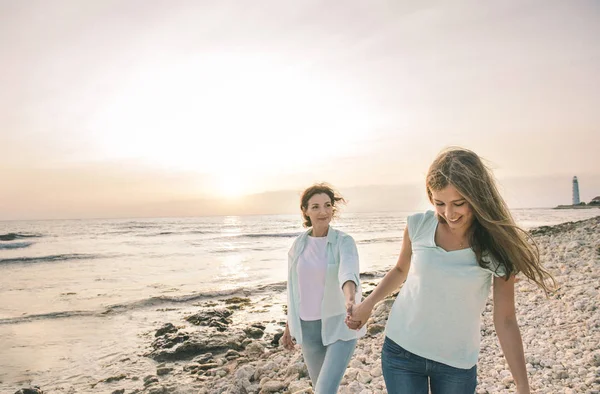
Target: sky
(168, 108)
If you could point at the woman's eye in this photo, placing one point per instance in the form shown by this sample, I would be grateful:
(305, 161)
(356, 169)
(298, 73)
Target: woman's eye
(439, 204)
(460, 204)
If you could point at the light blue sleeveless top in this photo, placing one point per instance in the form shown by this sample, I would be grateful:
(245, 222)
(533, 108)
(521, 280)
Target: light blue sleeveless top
(437, 312)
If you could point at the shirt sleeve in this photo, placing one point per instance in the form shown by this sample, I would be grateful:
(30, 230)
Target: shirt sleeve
(349, 267)
(415, 224)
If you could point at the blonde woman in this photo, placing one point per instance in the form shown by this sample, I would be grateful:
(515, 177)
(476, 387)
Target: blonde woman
(449, 259)
(323, 283)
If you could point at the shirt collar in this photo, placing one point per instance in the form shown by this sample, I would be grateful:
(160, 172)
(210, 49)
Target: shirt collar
(332, 235)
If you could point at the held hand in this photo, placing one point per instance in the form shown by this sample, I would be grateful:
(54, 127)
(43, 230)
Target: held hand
(359, 316)
(286, 340)
(353, 325)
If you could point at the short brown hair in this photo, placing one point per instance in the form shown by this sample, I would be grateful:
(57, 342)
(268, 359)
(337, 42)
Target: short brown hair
(319, 188)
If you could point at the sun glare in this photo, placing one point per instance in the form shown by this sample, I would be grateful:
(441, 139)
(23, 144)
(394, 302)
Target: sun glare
(210, 114)
(231, 186)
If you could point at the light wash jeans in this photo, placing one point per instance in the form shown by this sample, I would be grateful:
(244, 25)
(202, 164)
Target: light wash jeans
(326, 364)
(406, 373)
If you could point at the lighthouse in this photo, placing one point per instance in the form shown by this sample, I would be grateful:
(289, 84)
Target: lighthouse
(575, 191)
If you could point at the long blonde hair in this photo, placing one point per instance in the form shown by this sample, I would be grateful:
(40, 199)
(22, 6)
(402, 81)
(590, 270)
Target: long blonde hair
(494, 232)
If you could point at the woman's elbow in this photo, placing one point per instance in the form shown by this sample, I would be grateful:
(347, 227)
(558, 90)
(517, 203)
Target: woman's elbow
(505, 320)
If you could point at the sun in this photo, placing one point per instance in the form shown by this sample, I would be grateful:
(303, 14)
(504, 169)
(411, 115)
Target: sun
(231, 186)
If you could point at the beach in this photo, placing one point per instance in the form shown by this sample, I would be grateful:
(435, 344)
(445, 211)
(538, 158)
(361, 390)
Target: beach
(561, 336)
(227, 341)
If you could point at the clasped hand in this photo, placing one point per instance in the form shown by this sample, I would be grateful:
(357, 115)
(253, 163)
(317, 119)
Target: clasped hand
(356, 315)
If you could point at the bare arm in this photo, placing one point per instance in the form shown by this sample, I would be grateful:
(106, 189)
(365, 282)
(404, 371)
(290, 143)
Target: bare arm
(349, 291)
(392, 280)
(507, 329)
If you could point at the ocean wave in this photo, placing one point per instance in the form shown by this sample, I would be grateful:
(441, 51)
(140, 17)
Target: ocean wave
(175, 233)
(276, 287)
(157, 234)
(150, 302)
(14, 236)
(51, 258)
(266, 235)
(239, 249)
(46, 316)
(16, 245)
(380, 240)
(215, 294)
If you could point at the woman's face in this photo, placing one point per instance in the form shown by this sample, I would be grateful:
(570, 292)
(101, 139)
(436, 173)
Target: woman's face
(452, 206)
(319, 210)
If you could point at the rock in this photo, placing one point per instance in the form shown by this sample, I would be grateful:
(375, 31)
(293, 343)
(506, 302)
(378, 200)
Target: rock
(265, 369)
(163, 371)
(374, 329)
(237, 300)
(376, 372)
(254, 332)
(150, 379)
(298, 368)
(203, 358)
(156, 389)
(232, 355)
(167, 328)
(277, 338)
(272, 386)
(169, 340)
(307, 390)
(364, 377)
(207, 366)
(246, 372)
(30, 390)
(298, 386)
(121, 391)
(218, 318)
(196, 344)
(221, 372)
(255, 349)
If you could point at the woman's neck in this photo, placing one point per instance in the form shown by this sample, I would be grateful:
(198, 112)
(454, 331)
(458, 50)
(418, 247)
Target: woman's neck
(461, 234)
(320, 231)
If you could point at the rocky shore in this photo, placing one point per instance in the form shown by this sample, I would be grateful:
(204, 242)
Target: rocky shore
(211, 351)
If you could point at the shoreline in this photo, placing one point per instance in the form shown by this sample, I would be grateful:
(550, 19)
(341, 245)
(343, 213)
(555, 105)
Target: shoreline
(229, 344)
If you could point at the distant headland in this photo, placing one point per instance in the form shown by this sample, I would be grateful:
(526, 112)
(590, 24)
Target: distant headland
(595, 203)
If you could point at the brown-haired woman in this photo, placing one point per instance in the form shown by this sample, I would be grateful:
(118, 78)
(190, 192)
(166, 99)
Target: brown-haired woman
(323, 284)
(448, 259)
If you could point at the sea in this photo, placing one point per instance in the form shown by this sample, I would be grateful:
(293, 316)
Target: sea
(77, 297)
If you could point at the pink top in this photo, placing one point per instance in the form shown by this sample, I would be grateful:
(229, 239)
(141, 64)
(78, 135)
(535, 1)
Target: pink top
(312, 270)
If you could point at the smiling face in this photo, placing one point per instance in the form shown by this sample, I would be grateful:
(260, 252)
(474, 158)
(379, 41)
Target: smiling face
(319, 209)
(451, 206)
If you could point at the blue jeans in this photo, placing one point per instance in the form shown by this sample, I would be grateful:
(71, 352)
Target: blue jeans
(407, 373)
(326, 364)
